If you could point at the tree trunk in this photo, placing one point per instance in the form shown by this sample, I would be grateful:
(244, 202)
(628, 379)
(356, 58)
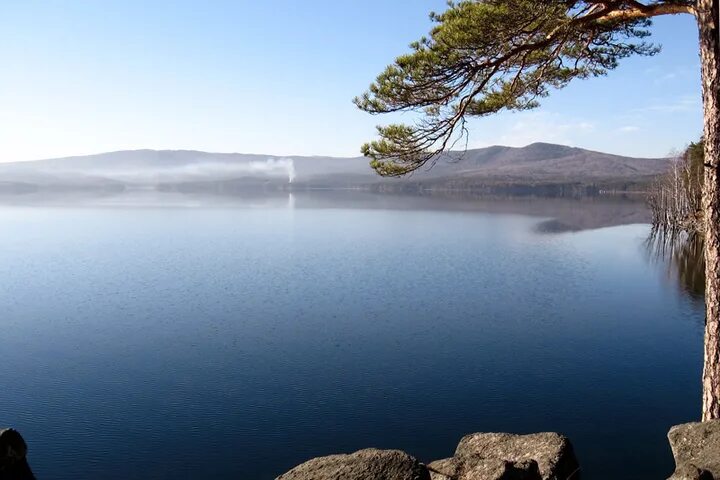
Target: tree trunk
(707, 14)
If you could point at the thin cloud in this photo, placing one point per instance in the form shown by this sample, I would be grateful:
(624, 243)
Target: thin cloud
(678, 105)
(674, 75)
(546, 127)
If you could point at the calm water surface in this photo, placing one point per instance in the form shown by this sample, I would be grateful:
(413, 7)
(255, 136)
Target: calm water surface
(237, 342)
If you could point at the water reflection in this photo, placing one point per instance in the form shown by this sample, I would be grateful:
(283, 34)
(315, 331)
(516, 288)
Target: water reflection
(559, 215)
(683, 256)
(352, 320)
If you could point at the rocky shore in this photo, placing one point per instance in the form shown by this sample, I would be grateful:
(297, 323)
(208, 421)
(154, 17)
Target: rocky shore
(501, 456)
(480, 456)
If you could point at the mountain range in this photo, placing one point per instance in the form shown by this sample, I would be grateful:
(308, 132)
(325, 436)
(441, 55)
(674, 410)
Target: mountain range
(537, 168)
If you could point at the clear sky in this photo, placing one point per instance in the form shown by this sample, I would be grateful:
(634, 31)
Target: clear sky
(277, 77)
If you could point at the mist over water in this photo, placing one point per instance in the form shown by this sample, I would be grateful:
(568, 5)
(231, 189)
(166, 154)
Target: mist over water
(212, 170)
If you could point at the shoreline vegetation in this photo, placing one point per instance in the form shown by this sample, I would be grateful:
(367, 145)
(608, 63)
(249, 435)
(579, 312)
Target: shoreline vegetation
(675, 199)
(675, 203)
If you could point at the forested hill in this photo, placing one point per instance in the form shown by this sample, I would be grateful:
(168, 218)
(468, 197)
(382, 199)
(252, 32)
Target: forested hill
(536, 167)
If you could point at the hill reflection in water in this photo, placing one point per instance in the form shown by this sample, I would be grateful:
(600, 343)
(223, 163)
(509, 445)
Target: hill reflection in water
(558, 214)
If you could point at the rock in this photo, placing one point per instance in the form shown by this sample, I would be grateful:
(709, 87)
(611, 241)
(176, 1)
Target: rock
(446, 469)
(13, 452)
(551, 453)
(689, 472)
(363, 465)
(482, 456)
(492, 469)
(696, 448)
(484, 469)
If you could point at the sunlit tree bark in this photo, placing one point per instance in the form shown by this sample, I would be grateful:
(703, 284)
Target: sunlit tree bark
(707, 14)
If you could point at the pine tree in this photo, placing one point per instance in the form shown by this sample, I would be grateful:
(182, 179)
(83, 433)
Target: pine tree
(486, 56)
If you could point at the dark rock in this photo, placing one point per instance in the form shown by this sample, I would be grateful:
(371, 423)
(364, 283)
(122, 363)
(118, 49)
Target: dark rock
(13, 452)
(363, 465)
(696, 448)
(525, 470)
(514, 456)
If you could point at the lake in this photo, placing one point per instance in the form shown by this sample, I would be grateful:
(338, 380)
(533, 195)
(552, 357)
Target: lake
(238, 338)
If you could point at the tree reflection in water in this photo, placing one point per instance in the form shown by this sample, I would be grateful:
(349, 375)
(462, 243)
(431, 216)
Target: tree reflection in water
(682, 253)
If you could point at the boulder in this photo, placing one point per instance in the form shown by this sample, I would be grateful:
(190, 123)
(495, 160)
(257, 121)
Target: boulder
(541, 456)
(481, 456)
(492, 469)
(688, 472)
(13, 452)
(446, 469)
(696, 448)
(484, 469)
(363, 465)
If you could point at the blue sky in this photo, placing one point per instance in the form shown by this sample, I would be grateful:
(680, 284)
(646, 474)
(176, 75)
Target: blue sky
(277, 77)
